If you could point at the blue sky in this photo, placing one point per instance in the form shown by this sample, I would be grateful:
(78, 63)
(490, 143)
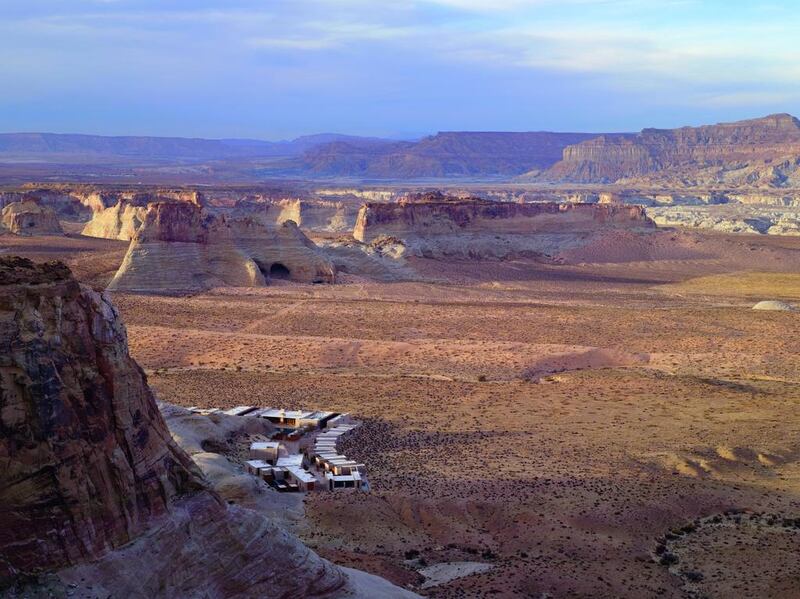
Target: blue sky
(275, 69)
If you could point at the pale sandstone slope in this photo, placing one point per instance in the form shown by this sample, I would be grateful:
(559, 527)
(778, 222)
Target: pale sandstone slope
(120, 221)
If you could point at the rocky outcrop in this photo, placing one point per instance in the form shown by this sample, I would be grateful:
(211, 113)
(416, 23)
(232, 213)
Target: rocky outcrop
(318, 215)
(87, 459)
(180, 247)
(434, 225)
(730, 218)
(774, 306)
(29, 218)
(120, 221)
(93, 487)
(761, 152)
(68, 206)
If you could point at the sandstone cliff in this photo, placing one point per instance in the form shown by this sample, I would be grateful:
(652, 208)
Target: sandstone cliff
(761, 152)
(180, 247)
(318, 215)
(120, 221)
(434, 225)
(88, 461)
(29, 218)
(93, 487)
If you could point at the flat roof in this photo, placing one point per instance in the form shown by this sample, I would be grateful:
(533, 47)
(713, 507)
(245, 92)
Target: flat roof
(265, 445)
(257, 464)
(260, 412)
(297, 471)
(240, 410)
(291, 460)
(319, 415)
(280, 413)
(353, 476)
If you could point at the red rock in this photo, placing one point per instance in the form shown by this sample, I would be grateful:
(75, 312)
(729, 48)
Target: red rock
(684, 153)
(87, 459)
(432, 225)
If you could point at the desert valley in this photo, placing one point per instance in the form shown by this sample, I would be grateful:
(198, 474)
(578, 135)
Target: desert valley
(572, 362)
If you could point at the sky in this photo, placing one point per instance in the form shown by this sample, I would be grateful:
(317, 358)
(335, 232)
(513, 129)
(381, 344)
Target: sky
(276, 69)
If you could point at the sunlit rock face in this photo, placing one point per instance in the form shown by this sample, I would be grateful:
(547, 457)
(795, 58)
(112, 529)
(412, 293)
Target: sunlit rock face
(29, 219)
(180, 246)
(120, 221)
(435, 225)
(761, 152)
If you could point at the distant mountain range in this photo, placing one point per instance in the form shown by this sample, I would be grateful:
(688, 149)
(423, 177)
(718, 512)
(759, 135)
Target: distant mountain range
(65, 146)
(449, 154)
(762, 152)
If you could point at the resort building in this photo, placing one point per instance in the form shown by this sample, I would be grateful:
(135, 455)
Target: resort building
(257, 467)
(265, 450)
(319, 466)
(302, 478)
(349, 481)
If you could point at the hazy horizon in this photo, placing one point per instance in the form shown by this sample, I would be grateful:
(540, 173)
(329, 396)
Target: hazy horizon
(347, 134)
(279, 70)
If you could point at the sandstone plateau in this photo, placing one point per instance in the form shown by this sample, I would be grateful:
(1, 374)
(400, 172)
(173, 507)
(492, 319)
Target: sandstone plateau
(761, 152)
(435, 225)
(96, 492)
(179, 246)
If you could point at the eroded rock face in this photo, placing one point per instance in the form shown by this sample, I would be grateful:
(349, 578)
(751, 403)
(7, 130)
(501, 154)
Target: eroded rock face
(120, 221)
(179, 246)
(318, 215)
(29, 218)
(761, 152)
(87, 459)
(434, 225)
(66, 205)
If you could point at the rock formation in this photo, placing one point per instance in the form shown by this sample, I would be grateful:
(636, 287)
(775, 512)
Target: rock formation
(774, 306)
(88, 461)
(761, 152)
(120, 221)
(29, 218)
(67, 205)
(434, 225)
(730, 218)
(94, 489)
(179, 247)
(318, 215)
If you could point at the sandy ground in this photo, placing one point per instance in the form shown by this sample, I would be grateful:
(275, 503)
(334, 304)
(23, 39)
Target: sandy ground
(559, 423)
